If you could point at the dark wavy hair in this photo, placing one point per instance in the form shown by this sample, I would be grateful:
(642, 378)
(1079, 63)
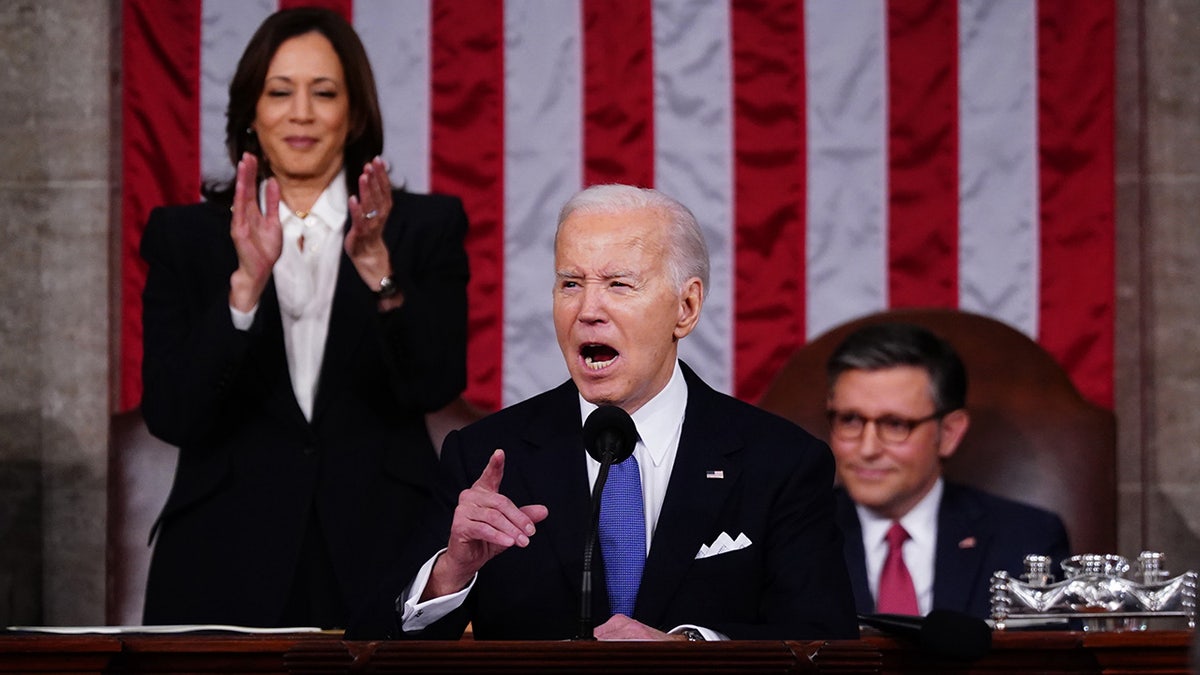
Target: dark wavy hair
(365, 138)
(888, 345)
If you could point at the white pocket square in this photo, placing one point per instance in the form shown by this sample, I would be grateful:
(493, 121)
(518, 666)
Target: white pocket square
(723, 544)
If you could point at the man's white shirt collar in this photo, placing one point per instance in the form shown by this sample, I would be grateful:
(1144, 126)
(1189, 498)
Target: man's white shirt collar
(659, 419)
(919, 522)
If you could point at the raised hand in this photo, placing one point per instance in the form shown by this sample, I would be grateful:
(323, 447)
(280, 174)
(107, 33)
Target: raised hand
(368, 212)
(258, 238)
(486, 523)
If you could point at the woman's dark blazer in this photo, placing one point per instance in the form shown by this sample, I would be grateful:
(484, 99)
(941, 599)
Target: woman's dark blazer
(251, 468)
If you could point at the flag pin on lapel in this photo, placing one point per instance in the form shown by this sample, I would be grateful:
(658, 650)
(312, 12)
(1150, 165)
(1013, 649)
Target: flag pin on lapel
(714, 473)
(969, 542)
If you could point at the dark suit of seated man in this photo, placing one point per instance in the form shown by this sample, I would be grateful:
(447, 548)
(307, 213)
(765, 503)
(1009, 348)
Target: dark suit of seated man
(736, 536)
(896, 408)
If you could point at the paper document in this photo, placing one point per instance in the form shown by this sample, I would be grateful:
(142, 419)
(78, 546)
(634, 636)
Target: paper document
(181, 628)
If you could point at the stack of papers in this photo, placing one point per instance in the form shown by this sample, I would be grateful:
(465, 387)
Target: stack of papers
(182, 628)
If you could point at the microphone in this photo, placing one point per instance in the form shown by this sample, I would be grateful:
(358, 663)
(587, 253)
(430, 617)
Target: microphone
(609, 436)
(942, 633)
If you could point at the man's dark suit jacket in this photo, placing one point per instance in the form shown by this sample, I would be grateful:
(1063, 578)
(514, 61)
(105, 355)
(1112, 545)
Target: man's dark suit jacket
(251, 468)
(978, 534)
(738, 470)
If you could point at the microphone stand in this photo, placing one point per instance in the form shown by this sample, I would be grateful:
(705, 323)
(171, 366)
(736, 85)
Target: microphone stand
(609, 436)
(585, 631)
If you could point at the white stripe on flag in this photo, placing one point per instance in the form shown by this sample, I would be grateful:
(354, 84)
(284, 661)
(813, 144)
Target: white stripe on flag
(693, 123)
(998, 161)
(396, 37)
(227, 27)
(846, 235)
(543, 111)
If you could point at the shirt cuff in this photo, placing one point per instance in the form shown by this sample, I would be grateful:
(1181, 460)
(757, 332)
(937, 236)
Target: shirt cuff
(709, 634)
(416, 616)
(243, 320)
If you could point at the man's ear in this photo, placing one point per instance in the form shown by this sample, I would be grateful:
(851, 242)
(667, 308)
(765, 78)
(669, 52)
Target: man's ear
(691, 298)
(953, 428)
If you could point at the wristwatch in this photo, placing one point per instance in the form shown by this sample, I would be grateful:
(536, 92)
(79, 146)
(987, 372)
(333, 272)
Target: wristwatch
(387, 288)
(692, 634)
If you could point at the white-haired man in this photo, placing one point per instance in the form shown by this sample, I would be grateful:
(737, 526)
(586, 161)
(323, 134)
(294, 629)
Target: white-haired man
(739, 538)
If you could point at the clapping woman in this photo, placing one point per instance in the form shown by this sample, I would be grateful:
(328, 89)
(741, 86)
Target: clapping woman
(298, 324)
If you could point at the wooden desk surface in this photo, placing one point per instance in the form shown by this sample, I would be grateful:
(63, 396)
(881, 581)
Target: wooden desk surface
(1044, 652)
(1054, 652)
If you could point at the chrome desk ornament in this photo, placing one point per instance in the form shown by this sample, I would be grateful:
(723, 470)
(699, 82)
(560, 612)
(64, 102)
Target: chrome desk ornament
(1096, 591)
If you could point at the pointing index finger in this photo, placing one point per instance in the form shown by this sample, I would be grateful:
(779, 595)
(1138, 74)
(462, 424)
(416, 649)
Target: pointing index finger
(492, 473)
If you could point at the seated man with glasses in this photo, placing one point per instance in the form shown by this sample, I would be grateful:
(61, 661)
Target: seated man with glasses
(914, 542)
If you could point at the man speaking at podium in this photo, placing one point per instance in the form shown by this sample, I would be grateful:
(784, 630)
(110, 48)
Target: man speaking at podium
(730, 533)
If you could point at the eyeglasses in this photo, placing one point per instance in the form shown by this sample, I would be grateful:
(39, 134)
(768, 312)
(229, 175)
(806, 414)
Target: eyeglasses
(848, 426)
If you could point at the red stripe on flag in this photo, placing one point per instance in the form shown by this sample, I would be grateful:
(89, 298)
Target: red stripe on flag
(160, 154)
(1076, 52)
(618, 92)
(769, 181)
(467, 147)
(923, 153)
(343, 7)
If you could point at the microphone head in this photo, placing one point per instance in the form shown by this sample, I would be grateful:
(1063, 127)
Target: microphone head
(609, 435)
(906, 626)
(942, 633)
(955, 635)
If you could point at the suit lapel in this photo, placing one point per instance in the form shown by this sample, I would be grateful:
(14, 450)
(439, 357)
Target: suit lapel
(347, 326)
(693, 501)
(962, 537)
(557, 474)
(267, 357)
(349, 321)
(272, 360)
(854, 553)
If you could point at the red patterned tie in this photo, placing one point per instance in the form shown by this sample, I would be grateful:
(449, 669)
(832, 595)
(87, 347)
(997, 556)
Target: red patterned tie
(896, 592)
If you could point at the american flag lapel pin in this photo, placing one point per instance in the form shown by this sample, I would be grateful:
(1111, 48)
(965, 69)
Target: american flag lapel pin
(714, 473)
(969, 542)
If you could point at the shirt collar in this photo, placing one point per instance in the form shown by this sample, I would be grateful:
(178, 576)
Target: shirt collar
(657, 421)
(329, 210)
(920, 522)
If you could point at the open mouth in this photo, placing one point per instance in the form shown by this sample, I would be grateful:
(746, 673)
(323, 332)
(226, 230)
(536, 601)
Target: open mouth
(598, 356)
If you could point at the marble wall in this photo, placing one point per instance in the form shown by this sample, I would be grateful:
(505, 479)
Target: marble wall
(56, 197)
(1158, 296)
(59, 81)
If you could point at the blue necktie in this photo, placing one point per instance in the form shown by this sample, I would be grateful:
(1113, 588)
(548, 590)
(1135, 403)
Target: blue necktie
(623, 535)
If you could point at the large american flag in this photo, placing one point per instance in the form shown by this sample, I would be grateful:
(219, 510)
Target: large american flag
(843, 157)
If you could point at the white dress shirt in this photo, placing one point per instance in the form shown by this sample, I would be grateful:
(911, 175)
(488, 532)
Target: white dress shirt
(659, 423)
(919, 551)
(305, 278)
